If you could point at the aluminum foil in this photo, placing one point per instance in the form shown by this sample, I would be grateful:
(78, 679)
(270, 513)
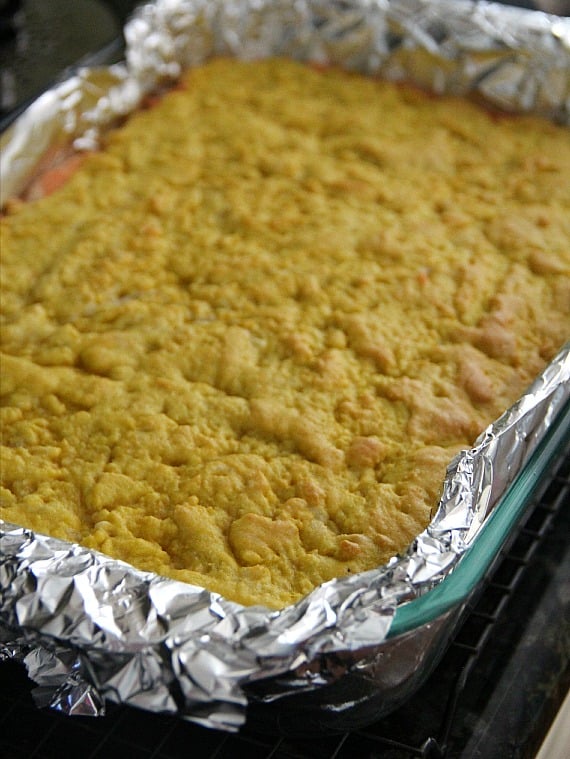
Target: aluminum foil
(91, 629)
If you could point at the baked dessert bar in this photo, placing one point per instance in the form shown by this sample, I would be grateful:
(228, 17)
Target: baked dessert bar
(242, 342)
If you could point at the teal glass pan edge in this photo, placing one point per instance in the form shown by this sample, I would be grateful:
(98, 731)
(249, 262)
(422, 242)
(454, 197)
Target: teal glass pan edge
(474, 564)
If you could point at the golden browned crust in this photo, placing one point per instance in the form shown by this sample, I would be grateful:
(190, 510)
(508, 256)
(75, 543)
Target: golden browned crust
(242, 343)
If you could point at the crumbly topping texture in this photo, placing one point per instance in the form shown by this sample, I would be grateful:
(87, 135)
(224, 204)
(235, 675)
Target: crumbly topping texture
(242, 343)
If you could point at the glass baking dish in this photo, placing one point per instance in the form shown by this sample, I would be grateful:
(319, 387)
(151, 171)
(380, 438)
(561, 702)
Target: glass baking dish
(336, 690)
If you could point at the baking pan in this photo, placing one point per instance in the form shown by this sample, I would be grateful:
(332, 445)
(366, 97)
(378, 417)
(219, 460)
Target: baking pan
(92, 630)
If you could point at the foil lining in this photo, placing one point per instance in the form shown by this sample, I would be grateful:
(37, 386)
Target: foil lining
(91, 629)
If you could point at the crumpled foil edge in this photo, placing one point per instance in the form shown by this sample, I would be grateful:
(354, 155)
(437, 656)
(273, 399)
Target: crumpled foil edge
(514, 59)
(90, 629)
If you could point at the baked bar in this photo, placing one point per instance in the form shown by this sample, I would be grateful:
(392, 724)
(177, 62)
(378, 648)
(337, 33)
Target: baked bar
(242, 342)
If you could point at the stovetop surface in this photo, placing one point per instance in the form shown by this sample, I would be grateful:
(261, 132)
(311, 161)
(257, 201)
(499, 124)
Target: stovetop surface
(40, 40)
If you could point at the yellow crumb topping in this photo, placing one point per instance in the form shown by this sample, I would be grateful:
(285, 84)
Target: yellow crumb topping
(242, 343)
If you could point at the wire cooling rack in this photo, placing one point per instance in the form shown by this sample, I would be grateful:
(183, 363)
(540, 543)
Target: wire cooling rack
(493, 695)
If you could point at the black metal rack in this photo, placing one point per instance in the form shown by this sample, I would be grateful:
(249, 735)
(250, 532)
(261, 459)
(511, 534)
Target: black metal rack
(493, 695)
